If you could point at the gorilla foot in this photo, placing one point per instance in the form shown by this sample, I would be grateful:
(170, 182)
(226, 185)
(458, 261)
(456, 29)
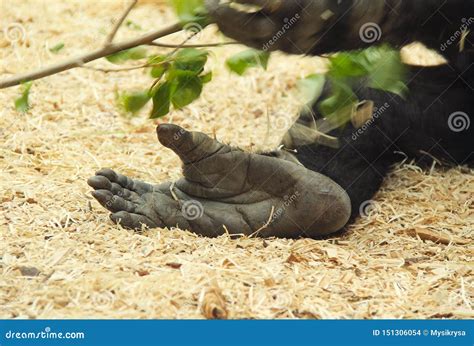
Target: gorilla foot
(225, 186)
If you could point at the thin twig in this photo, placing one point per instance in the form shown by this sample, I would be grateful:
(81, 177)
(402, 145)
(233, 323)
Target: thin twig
(118, 24)
(173, 194)
(204, 45)
(125, 68)
(269, 221)
(179, 46)
(83, 59)
(109, 70)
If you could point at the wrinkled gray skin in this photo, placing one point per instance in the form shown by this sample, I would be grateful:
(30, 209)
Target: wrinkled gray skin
(224, 186)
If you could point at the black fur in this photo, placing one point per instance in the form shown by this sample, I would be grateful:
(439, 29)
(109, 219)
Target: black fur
(419, 126)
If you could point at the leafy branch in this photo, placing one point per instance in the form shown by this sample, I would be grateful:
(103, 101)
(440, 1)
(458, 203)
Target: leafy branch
(81, 60)
(178, 80)
(179, 76)
(185, 10)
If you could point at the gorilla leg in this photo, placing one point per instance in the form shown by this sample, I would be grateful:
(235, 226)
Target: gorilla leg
(224, 186)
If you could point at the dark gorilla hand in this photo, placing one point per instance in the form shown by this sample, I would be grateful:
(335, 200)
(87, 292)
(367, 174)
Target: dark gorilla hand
(316, 27)
(258, 29)
(297, 26)
(225, 186)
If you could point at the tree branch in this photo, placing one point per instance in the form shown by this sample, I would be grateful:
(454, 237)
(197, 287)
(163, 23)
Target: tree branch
(110, 70)
(119, 23)
(85, 58)
(204, 45)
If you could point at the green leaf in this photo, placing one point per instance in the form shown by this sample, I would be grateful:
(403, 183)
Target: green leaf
(311, 88)
(187, 89)
(161, 100)
(339, 106)
(378, 67)
(387, 73)
(132, 25)
(242, 61)
(348, 64)
(190, 59)
(22, 104)
(136, 53)
(206, 78)
(190, 11)
(57, 48)
(133, 102)
(159, 70)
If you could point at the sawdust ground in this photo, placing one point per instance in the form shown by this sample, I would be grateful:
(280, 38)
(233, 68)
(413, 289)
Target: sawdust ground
(60, 257)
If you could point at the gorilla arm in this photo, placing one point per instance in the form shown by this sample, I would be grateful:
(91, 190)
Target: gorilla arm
(316, 27)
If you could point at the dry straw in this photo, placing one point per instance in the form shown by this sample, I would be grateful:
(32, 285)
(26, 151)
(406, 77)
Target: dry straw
(60, 257)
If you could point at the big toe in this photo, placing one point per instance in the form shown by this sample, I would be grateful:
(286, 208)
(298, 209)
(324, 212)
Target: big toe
(170, 135)
(189, 146)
